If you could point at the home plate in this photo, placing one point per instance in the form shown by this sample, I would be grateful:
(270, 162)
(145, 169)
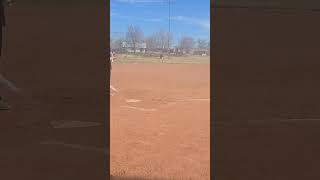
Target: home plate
(73, 124)
(132, 100)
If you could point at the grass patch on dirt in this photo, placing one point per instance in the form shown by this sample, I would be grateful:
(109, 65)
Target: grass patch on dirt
(171, 60)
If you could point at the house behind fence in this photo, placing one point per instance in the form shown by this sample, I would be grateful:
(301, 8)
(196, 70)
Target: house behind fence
(143, 48)
(128, 47)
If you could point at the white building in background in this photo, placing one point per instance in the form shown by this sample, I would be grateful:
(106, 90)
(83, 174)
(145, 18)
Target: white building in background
(140, 47)
(202, 52)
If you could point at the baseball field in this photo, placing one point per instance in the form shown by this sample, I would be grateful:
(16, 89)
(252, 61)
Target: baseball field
(160, 118)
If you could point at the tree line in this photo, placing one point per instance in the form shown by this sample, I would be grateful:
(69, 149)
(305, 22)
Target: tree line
(160, 40)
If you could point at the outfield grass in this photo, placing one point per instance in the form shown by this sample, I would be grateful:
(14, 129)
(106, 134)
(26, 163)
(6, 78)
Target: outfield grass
(170, 60)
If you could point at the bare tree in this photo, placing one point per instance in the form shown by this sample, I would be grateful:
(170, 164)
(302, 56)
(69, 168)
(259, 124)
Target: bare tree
(162, 39)
(116, 44)
(186, 44)
(134, 36)
(169, 40)
(208, 47)
(111, 42)
(202, 44)
(152, 43)
(159, 40)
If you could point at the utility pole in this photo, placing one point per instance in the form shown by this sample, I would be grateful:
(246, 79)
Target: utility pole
(169, 28)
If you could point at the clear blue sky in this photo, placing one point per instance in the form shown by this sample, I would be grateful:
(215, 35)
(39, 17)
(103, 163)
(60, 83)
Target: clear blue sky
(188, 17)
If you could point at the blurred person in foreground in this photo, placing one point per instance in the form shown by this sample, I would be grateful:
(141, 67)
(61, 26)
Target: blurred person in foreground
(4, 83)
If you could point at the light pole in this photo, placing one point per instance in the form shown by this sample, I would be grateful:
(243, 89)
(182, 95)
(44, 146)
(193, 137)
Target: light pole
(169, 28)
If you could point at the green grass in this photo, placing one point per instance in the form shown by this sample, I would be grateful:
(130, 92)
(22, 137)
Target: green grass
(171, 60)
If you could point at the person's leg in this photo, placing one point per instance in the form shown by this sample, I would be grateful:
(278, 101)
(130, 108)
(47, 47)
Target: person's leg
(3, 81)
(3, 104)
(111, 88)
(1, 33)
(1, 99)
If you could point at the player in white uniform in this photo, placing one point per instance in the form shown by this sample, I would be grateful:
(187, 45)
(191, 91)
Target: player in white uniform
(112, 59)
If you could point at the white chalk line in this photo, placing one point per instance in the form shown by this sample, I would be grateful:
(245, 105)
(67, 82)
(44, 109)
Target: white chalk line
(181, 100)
(153, 109)
(133, 100)
(113, 88)
(138, 108)
(186, 100)
(137, 100)
(170, 103)
(74, 146)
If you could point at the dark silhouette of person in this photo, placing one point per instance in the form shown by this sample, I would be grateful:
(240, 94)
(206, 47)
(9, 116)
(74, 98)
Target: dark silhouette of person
(2, 22)
(3, 81)
(3, 19)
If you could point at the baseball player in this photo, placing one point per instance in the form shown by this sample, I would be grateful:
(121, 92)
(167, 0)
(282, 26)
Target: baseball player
(112, 59)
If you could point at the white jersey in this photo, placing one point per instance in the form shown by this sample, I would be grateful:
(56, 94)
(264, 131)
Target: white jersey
(112, 58)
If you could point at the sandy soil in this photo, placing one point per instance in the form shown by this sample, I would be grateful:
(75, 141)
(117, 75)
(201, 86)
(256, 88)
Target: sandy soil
(266, 70)
(160, 121)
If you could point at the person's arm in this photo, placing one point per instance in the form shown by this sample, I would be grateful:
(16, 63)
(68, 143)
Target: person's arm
(6, 3)
(9, 2)
(7, 84)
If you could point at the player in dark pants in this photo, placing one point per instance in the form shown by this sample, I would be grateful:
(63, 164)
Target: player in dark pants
(3, 3)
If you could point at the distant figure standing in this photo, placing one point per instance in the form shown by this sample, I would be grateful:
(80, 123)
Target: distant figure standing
(161, 57)
(3, 19)
(3, 4)
(112, 59)
(4, 81)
